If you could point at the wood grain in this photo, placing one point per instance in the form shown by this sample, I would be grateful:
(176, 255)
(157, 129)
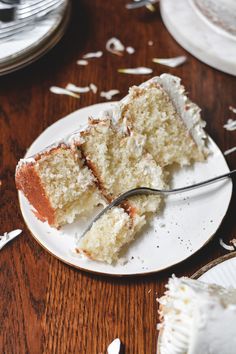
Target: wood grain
(46, 306)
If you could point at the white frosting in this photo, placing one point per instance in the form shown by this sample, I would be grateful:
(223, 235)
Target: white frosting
(186, 109)
(197, 318)
(171, 84)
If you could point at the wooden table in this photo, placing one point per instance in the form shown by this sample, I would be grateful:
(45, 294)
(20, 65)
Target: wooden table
(47, 306)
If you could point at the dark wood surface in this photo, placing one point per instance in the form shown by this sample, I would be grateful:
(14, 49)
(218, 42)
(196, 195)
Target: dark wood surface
(45, 305)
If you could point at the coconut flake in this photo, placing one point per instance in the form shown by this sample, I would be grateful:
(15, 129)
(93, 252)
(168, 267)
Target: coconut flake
(93, 55)
(93, 88)
(230, 125)
(225, 246)
(150, 43)
(62, 91)
(232, 109)
(8, 236)
(114, 347)
(227, 152)
(82, 62)
(171, 62)
(130, 50)
(151, 7)
(77, 89)
(136, 71)
(109, 94)
(114, 46)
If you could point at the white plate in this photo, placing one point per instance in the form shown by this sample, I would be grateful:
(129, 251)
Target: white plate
(197, 36)
(187, 223)
(222, 271)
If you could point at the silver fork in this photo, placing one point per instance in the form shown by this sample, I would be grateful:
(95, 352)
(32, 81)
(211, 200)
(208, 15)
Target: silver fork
(27, 14)
(148, 191)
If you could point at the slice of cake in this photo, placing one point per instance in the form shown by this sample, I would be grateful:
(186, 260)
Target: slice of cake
(156, 122)
(197, 318)
(58, 184)
(132, 145)
(120, 163)
(110, 234)
(170, 123)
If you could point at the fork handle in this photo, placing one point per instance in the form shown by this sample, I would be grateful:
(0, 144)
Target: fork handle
(145, 190)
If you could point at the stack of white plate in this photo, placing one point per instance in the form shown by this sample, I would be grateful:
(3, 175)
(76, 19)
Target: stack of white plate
(35, 40)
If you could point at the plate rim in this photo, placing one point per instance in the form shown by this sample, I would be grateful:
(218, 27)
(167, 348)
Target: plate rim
(212, 264)
(47, 43)
(108, 274)
(207, 58)
(196, 276)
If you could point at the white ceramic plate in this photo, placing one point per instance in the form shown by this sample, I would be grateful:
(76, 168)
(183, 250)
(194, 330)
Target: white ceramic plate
(197, 36)
(187, 223)
(222, 271)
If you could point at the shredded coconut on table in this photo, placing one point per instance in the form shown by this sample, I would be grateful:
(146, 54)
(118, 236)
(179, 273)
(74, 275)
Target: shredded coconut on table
(93, 88)
(136, 71)
(82, 62)
(109, 94)
(114, 46)
(230, 125)
(171, 62)
(77, 89)
(130, 50)
(8, 236)
(91, 55)
(232, 109)
(228, 247)
(114, 347)
(227, 152)
(62, 91)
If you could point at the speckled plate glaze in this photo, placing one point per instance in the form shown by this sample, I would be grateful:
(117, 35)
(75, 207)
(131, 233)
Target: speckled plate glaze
(186, 224)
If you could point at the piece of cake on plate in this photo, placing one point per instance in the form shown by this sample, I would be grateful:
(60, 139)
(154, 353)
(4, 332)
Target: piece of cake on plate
(119, 162)
(197, 318)
(156, 121)
(58, 184)
(132, 145)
